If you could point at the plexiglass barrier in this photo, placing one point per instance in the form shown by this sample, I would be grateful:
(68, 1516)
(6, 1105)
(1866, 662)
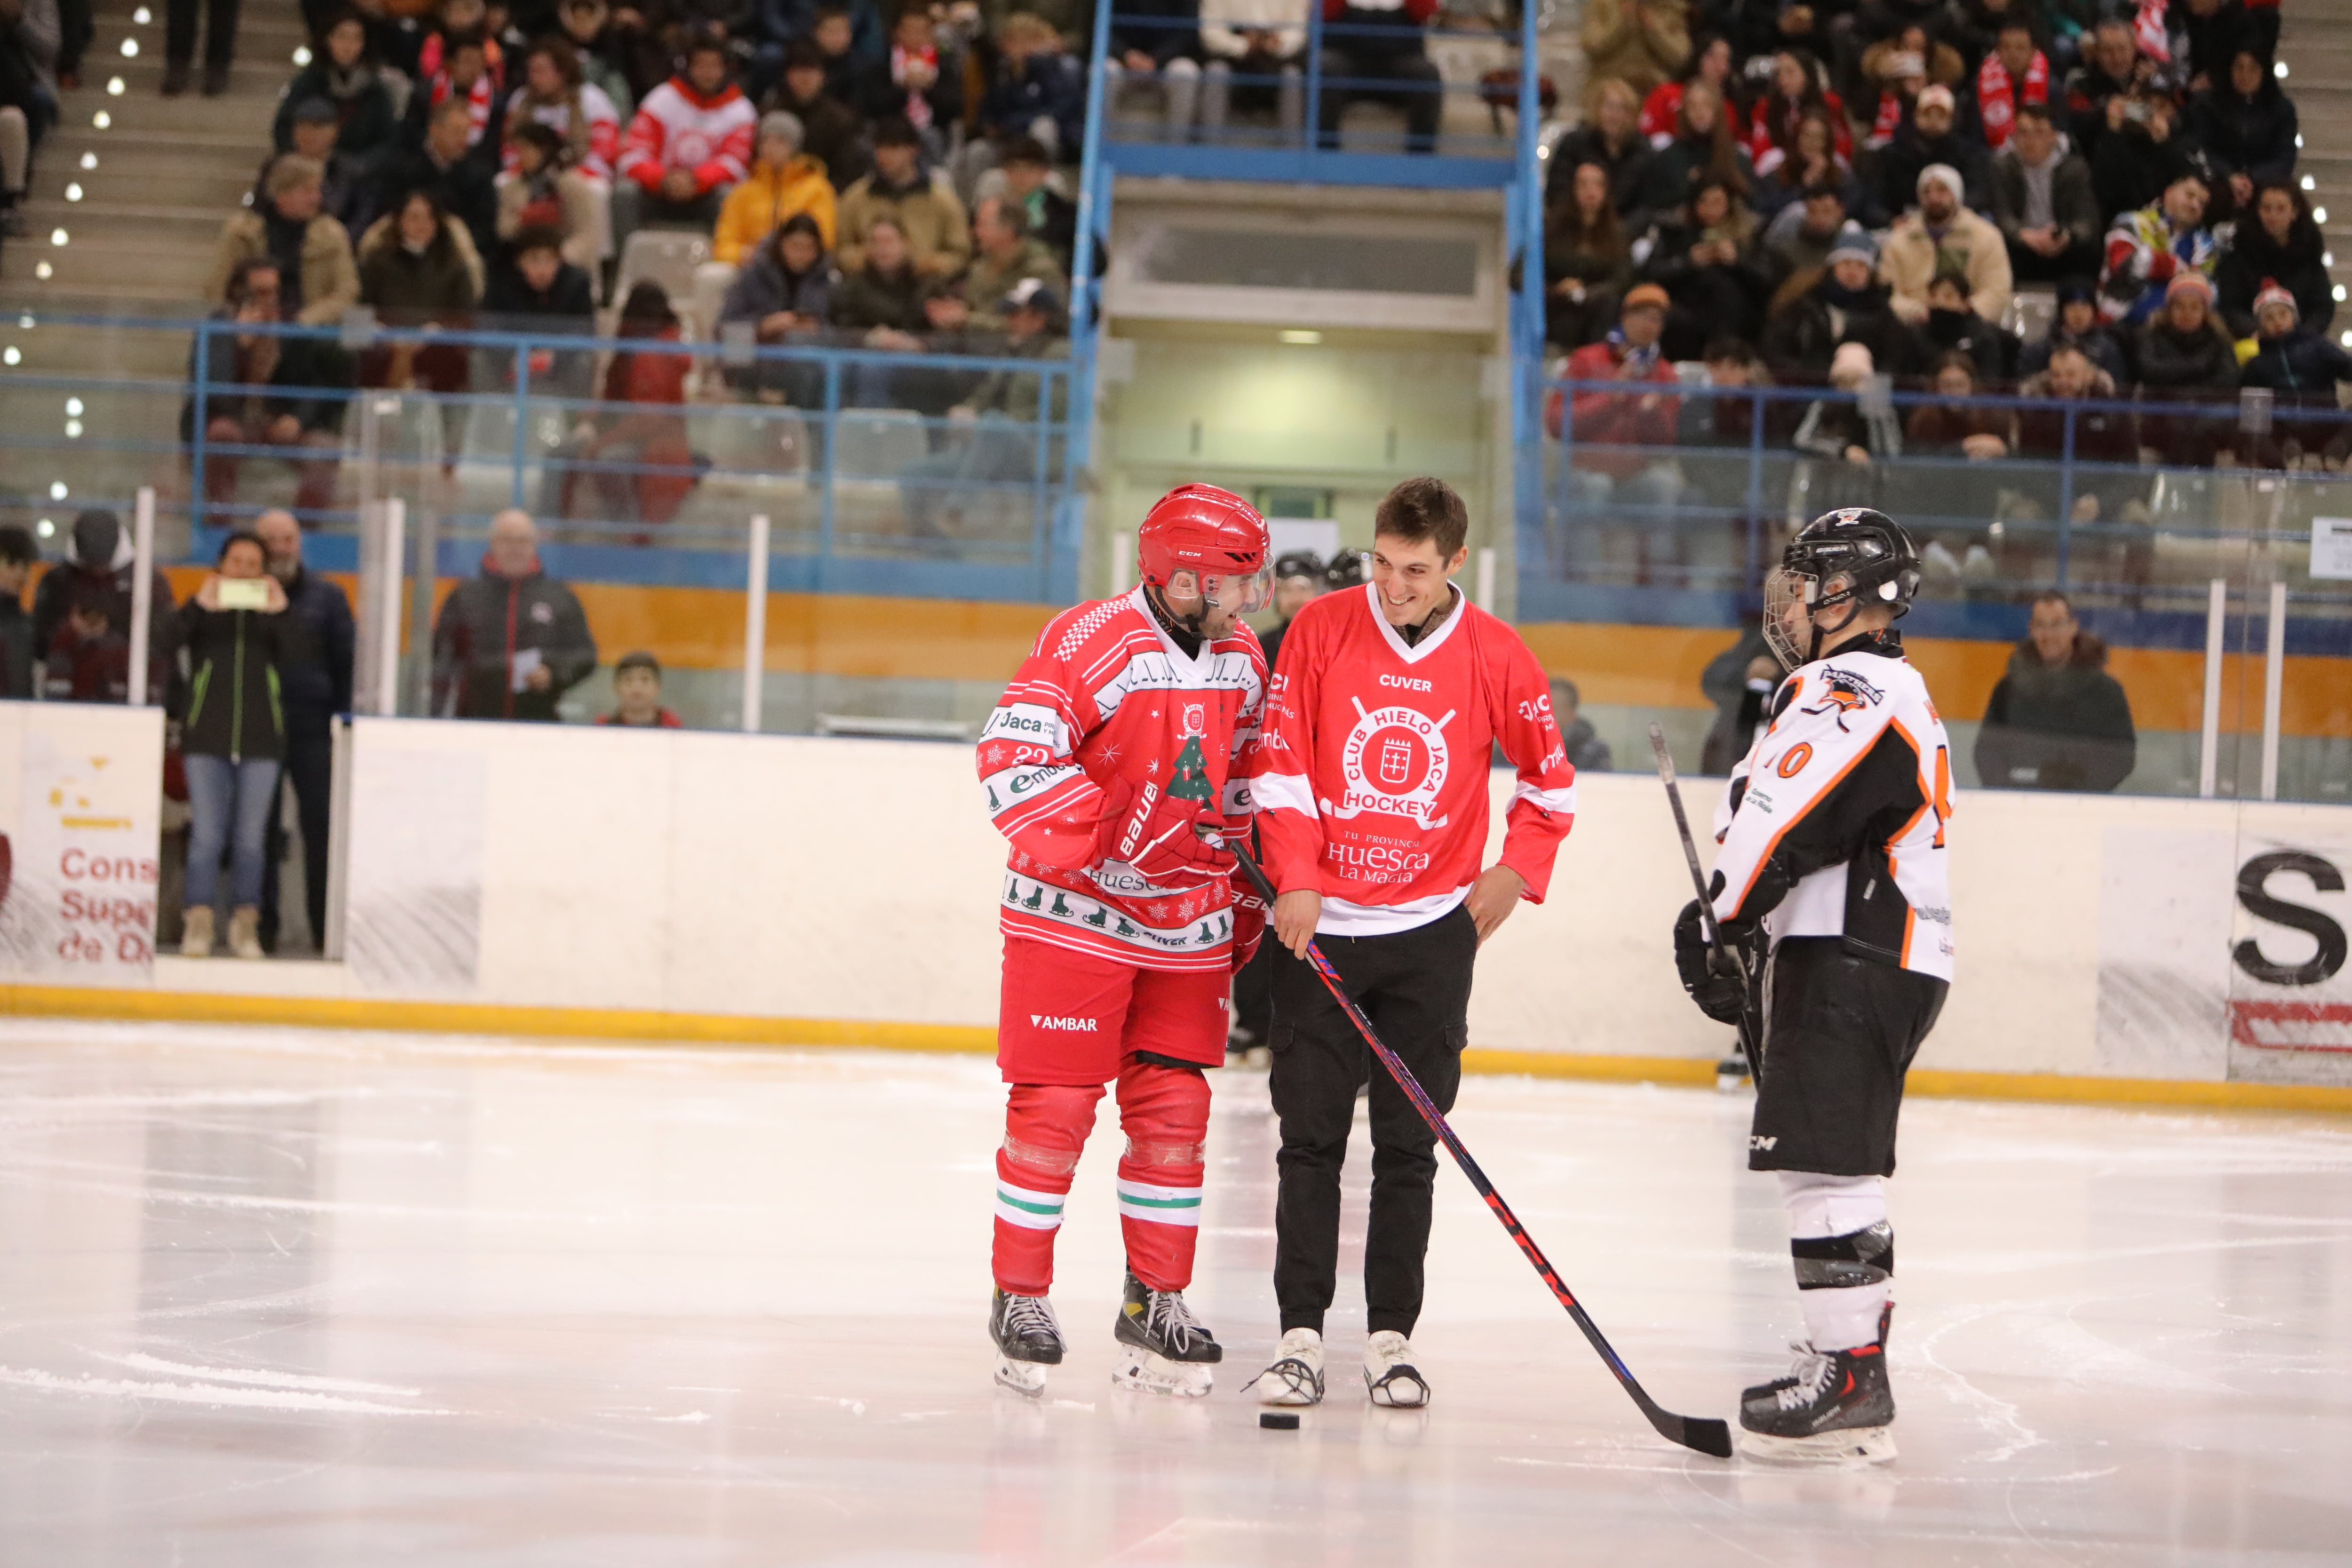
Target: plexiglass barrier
(2194, 544)
(886, 505)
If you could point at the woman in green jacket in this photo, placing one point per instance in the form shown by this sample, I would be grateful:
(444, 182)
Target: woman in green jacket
(238, 639)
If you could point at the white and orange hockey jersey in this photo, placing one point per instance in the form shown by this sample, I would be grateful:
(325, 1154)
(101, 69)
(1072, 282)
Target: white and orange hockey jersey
(1106, 694)
(1374, 788)
(677, 127)
(1834, 823)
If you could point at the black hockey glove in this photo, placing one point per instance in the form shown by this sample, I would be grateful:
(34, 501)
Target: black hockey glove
(1713, 982)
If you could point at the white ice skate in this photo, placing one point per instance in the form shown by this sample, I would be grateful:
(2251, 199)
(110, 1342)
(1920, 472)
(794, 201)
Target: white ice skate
(1162, 1348)
(1390, 1376)
(1296, 1374)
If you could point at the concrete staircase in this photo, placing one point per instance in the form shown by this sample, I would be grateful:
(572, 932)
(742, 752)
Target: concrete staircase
(140, 198)
(2316, 46)
(137, 186)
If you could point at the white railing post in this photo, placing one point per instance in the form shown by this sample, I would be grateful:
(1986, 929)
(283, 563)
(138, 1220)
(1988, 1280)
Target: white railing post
(387, 608)
(755, 624)
(2209, 741)
(143, 592)
(1122, 563)
(2273, 688)
(1486, 578)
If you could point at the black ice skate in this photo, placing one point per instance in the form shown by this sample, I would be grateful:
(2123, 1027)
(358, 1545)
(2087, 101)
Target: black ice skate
(1834, 1407)
(1028, 1340)
(1162, 1348)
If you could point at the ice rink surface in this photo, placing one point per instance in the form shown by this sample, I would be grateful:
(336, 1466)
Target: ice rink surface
(277, 1297)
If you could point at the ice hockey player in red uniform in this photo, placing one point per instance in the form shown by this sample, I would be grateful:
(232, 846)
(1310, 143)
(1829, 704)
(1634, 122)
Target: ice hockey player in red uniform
(1133, 725)
(1373, 813)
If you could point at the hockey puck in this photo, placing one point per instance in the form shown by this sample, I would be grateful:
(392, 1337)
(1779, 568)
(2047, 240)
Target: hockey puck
(1277, 1420)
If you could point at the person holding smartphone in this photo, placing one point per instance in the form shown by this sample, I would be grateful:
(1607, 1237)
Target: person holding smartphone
(239, 642)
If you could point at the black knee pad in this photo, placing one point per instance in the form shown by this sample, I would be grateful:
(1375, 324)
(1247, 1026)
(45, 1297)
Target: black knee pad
(1841, 1262)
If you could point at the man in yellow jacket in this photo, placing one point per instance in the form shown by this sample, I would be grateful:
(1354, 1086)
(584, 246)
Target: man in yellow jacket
(783, 181)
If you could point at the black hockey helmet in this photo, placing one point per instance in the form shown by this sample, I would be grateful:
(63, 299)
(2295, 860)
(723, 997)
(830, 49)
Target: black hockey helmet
(1346, 570)
(1298, 564)
(1864, 552)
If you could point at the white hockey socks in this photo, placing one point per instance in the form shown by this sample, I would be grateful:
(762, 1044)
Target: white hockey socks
(1843, 1250)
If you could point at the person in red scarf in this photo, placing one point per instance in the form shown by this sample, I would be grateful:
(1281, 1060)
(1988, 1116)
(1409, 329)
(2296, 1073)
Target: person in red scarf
(1795, 88)
(2015, 73)
(913, 79)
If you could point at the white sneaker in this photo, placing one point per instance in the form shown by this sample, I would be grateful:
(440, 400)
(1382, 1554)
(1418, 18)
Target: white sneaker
(1389, 1373)
(1296, 1374)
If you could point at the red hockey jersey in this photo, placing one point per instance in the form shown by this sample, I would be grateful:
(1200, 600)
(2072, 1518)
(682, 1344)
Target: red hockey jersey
(1372, 789)
(1107, 694)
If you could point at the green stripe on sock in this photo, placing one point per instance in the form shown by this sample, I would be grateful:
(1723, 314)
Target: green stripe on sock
(1190, 1203)
(1022, 1203)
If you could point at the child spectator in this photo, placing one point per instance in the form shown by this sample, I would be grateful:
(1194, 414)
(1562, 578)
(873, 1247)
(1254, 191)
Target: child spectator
(689, 145)
(89, 658)
(2077, 326)
(784, 183)
(2276, 242)
(2301, 369)
(1851, 428)
(922, 206)
(1953, 328)
(1796, 95)
(636, 695)
(536, 291)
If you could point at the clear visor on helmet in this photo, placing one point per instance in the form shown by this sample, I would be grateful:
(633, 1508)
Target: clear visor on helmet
(1788, 615)
(1236, 595)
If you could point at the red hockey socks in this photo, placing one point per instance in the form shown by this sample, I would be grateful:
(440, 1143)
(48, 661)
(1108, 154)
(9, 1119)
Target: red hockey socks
(1045, 1126)
(1164, 1112)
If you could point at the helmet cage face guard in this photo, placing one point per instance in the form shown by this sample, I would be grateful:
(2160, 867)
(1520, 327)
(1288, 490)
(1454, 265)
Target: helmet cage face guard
(1818, 574)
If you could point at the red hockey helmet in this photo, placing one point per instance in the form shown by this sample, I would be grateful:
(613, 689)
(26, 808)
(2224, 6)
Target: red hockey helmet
(1205, 539)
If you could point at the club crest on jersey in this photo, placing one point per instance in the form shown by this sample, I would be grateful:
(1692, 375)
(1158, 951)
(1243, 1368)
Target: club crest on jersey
(1843, 693)
(1394, 763)
(1196, 718)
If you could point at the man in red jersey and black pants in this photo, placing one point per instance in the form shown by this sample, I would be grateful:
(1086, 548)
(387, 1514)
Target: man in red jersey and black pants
(1371, 803)
(1131, 726)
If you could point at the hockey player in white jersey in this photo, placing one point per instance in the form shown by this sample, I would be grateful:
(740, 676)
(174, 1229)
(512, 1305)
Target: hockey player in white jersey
(1832, 880)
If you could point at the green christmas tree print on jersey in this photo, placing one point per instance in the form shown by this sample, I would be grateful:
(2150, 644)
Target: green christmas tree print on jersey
(1192, 771)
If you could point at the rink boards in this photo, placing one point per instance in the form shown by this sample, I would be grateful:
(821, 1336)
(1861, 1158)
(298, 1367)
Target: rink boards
(571, 881)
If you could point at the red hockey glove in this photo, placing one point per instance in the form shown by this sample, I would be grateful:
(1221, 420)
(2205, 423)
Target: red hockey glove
(1158, 834)
(1249, 925)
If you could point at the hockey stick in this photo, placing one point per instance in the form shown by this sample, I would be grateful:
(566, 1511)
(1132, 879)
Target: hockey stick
(1723, 949)
(1702, 1433)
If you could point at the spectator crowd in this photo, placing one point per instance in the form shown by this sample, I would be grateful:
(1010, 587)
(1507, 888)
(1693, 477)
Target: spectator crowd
(1859, 197)
(879, 174)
